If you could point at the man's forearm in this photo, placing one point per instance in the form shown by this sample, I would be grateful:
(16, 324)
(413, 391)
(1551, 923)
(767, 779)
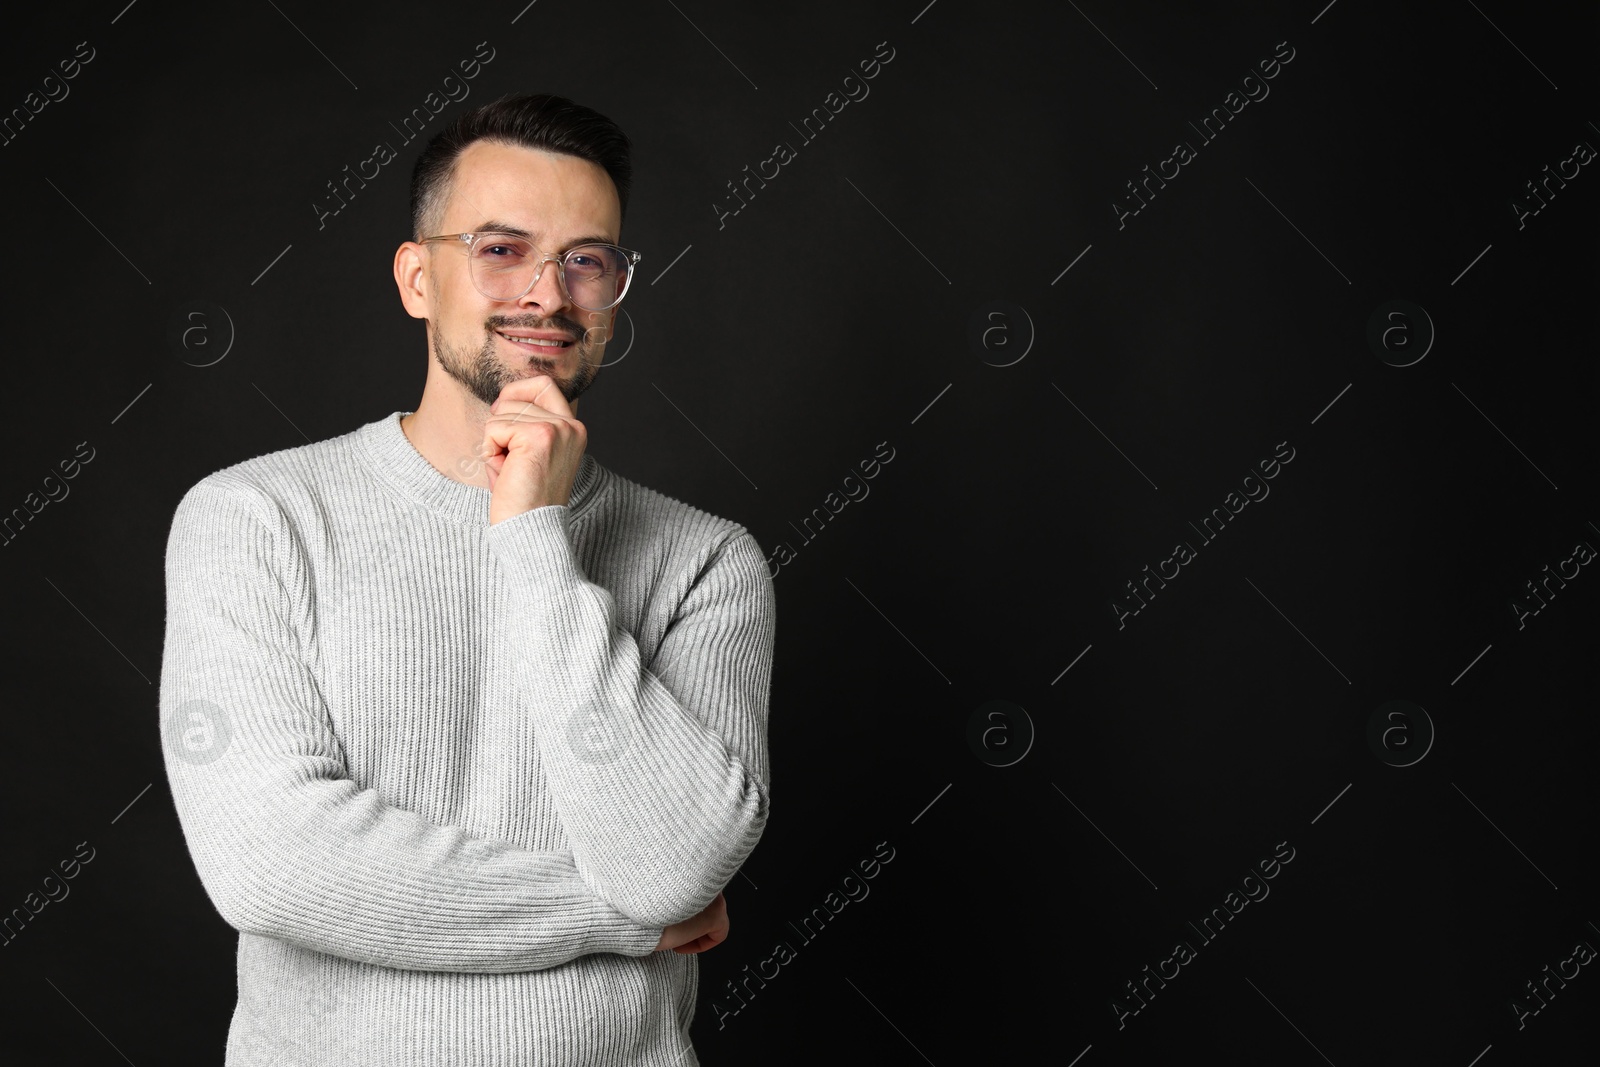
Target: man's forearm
(659, 775)
(332, 868)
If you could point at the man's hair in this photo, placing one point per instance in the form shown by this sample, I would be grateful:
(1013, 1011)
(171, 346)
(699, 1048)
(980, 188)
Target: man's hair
(532, 120)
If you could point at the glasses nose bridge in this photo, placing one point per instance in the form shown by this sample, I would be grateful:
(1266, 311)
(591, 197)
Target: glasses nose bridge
(538, 272)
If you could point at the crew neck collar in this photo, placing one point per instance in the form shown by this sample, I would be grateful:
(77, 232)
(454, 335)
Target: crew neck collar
(396, 460)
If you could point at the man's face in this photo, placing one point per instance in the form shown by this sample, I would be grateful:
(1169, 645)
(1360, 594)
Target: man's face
(559, 201)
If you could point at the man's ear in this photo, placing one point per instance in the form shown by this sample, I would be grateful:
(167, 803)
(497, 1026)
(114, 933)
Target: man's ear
(411, 278)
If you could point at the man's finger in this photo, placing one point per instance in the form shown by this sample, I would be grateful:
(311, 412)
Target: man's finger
(699, 944)
(540, 390)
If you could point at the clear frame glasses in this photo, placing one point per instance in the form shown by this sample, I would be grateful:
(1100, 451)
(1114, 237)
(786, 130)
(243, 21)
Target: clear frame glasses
(505, 266)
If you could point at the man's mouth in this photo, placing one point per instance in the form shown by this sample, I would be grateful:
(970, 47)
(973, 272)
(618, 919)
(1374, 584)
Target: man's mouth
(553, 342)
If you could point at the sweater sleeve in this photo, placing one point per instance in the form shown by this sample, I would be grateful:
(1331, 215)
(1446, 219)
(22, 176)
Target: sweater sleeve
(659, 772)
(286, 844)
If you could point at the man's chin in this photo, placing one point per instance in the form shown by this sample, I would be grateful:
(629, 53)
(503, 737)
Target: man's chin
(571, 388)
(563, 383)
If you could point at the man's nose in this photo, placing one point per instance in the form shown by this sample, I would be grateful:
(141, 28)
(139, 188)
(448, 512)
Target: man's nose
(547, 290)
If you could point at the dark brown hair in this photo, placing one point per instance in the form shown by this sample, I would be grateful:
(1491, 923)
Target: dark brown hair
(533, 120)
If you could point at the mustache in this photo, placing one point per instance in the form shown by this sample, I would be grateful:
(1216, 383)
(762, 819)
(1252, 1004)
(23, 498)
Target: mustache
(549, 322)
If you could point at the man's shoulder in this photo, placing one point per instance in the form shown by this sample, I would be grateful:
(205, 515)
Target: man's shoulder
(283, 480)
(664, 523)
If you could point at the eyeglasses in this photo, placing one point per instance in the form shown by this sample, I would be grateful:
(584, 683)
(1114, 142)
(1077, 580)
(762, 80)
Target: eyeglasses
(505, 267)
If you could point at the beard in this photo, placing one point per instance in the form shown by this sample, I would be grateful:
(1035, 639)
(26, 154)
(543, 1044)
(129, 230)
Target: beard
(484, 372)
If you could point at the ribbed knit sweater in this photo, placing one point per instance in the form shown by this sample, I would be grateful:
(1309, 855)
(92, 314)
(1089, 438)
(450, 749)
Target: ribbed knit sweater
(449, 780)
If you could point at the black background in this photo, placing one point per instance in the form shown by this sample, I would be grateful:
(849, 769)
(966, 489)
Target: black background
(834, 314)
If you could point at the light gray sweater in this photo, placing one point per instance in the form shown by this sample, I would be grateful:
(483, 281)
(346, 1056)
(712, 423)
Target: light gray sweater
(449, 780)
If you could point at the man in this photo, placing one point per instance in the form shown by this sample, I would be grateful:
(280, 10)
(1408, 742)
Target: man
(466, 732)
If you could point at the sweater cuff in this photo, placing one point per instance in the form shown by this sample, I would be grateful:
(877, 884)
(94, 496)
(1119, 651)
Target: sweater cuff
(644, 942)
(535, 551)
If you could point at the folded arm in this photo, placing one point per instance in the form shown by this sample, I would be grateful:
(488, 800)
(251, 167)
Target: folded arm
(286, 844)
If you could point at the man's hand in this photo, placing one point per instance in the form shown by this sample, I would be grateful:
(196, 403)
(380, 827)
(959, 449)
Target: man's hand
(698, 932)
(532, 446)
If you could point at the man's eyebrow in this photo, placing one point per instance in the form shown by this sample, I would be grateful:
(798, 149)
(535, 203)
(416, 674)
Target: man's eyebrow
(495, 226)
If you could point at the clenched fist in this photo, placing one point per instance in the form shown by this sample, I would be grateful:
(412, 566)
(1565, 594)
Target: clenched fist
(698, 932)
(532, 446)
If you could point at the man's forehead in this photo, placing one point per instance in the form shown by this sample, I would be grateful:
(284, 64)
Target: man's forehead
(500, 186)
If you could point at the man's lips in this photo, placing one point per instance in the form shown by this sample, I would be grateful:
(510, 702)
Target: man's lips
(528, 339)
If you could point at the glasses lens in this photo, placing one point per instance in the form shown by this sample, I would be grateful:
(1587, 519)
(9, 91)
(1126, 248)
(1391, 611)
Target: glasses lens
(503, 267)
(597, 275)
